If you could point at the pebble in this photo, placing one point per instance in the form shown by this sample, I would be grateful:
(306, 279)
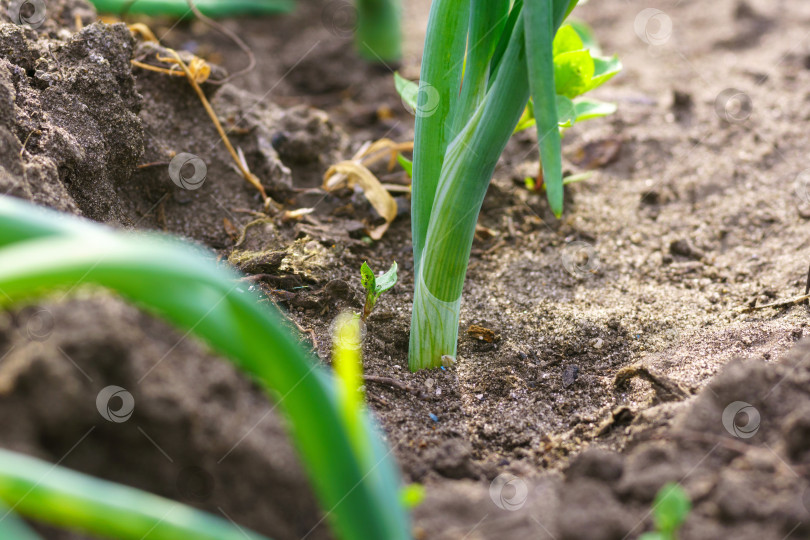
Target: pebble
(570, 375)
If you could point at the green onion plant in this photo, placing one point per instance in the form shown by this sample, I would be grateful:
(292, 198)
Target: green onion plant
(489, 67)
(378, 34)
(379, 30)
(43, 251)
(180, 9)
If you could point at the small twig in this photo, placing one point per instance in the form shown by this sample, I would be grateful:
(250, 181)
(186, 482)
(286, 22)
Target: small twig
(22, 151)
(393, 382)
(254, 213)
(803, 299)
(249, 176)
(198, 67)
(153, 164)
(378, 399)
(665, 388)
(312, 336)
(781, 304)
(243, 237)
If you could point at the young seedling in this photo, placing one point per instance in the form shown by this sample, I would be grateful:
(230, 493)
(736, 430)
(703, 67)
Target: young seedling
(670, 509)
(375, 286)
(505, 52)
(347, 361)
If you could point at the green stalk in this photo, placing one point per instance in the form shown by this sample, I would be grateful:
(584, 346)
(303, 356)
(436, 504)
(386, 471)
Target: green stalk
(487, 20)
(69, 499)
(182, 284)
(379, 30)
(505, 39)
(465, 177)
(440, 81)
(180, 9)
(543, 19)
(562, 9)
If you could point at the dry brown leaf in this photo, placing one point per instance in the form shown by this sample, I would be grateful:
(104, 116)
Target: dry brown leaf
(371, 153)
(292, 215)
(352, 173)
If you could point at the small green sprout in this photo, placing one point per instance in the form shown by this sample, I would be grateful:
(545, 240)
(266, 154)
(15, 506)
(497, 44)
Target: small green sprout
(406, 164)
(670, 509)
(412, 495)
(533, 185)
(375, 286)
(347, 361)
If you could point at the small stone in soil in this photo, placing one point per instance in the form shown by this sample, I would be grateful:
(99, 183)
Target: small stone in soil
(684, 248)
(570, 375)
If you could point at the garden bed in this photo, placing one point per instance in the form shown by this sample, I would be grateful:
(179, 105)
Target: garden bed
(611, 340)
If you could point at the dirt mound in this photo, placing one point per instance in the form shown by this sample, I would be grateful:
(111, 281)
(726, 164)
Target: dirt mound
(86, 133)
(195, 427)
(739, 448)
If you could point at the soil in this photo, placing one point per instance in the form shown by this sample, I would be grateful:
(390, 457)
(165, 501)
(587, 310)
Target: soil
(604, 347)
